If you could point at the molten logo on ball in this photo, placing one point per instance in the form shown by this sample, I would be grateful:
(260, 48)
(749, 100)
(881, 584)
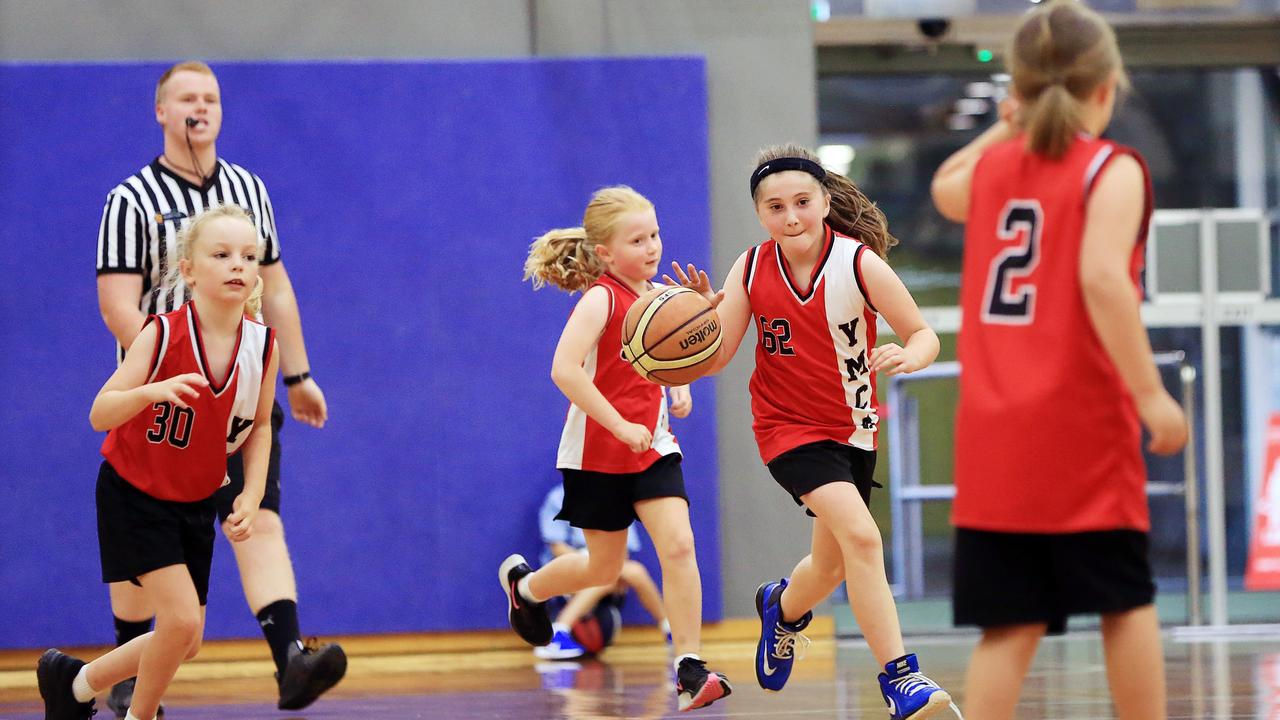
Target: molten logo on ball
(671, 336)
(711, 329)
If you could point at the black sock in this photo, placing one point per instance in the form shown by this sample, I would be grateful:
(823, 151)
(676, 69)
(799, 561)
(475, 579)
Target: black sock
(127, 630)
(279, 623)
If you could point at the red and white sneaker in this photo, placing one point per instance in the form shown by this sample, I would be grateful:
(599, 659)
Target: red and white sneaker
(697, 687)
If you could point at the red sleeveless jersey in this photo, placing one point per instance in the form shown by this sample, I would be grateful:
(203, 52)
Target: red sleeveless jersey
(1047, 436)
(180, 454)
(586, 444)
(811, 380)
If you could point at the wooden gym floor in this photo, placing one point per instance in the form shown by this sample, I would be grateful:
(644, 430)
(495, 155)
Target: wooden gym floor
(486, 675)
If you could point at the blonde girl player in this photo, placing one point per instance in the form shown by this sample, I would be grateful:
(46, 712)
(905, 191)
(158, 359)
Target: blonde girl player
(619, 459)
(814, 290)
(1058, 377)
(197, 384)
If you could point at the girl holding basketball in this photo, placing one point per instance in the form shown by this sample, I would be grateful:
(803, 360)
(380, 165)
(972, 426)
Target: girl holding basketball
(1051, 511)
(814, 290)
(195, 385)
(619, 459)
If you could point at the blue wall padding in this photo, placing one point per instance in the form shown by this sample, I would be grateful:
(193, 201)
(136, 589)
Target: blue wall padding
(406, 195)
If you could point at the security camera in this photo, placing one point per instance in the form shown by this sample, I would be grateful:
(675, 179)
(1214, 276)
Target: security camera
(933, 28)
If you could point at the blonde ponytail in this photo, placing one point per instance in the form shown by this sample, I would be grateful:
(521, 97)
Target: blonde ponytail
(567, 258)
(563, 258)
(253, 305)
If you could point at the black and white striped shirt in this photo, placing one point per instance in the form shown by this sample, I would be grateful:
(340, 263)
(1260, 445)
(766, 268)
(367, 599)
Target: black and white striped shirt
(143, 215)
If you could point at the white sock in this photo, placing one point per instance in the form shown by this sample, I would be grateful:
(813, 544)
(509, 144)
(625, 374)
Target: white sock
(557, 627)
(130, 716)
(676, 664)
(80, 686)
(665, 627)
(522, 587)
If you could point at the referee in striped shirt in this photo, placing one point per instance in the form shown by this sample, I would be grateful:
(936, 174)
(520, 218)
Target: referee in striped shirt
(136, 250)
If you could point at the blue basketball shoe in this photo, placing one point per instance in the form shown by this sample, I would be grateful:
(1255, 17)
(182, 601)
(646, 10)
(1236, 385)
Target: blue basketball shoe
(561, 647)
(908, 693)
(776, 650)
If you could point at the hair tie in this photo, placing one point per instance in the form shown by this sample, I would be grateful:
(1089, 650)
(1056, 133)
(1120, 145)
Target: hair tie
(778, 165)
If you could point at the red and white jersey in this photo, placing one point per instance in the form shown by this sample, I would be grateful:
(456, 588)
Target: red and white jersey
(812, 381)
(585, 444)
(180, 454)
(1047, 435)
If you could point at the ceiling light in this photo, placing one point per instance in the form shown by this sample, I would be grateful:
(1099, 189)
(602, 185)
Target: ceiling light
(837, 157)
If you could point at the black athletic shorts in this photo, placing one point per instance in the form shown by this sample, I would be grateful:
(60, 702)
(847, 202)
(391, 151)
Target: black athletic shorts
(1024, 578)
(226, 494)
(804, 469)
(138, 533)
(606, 501)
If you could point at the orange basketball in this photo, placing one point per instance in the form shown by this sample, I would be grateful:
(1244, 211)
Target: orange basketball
(671, 336)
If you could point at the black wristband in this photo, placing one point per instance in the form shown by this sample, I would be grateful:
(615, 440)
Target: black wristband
(291, 380)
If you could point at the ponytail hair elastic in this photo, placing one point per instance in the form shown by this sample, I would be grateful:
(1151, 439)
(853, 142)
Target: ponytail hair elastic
(778, 165)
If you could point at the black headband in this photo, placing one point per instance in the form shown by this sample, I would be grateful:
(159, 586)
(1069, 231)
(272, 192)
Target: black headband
(777, 165)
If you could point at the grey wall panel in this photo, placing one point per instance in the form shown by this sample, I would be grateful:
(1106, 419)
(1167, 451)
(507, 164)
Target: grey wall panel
(252, 29)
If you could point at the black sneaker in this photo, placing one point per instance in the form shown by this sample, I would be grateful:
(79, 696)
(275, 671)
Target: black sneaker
(697, 687)
(311, 671)
(121, 698)
(55, 672)
(530, 620)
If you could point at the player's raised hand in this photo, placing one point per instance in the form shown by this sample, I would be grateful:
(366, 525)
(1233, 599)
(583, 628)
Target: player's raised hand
(696, 280)
(177, 389)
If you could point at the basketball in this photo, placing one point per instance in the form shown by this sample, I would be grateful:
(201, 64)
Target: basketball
(671, 336)
(597, 630)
